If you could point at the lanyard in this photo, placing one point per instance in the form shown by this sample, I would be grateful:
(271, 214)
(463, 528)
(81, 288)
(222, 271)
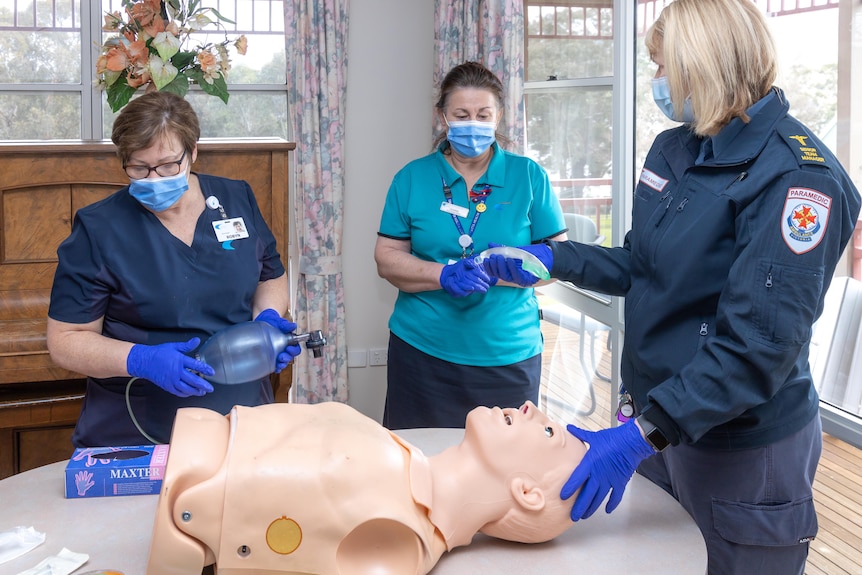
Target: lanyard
(465, 240)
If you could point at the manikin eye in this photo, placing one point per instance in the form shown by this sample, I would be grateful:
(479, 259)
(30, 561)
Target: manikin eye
(549, 431)
(508, 419)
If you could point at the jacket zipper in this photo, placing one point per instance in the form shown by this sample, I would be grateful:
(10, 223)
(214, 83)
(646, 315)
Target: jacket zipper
(739, 178)
(669, 199)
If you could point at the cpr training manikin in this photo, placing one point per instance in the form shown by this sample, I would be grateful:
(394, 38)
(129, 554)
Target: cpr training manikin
(322, 489)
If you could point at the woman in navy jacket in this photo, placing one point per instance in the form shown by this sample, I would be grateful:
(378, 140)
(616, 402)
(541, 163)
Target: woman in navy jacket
(740, 217)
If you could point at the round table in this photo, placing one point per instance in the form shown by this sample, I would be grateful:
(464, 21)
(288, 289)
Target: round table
(649, 533)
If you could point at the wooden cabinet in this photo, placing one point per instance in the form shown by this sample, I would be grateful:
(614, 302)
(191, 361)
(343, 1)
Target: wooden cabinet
(42, 184)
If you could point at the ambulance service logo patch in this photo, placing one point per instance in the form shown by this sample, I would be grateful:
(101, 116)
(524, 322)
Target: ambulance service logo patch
(804, 219)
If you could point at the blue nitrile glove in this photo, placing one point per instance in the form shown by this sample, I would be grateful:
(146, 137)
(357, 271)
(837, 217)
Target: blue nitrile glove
(510, 270)
(609, 463)
(272, 317)
(168, 366)
(464, 277)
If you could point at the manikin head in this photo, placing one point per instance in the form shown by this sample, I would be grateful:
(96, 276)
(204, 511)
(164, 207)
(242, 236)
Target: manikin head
(533, 456)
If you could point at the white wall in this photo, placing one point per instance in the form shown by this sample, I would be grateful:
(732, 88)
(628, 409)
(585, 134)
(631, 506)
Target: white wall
(390, 96)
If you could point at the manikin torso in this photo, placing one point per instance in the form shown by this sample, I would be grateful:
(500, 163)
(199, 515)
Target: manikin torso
(305, 499)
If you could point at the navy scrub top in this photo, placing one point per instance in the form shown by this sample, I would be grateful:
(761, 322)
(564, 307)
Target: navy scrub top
(122, 264)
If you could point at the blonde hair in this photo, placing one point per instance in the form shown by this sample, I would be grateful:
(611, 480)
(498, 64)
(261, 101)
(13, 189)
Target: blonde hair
(720, 53)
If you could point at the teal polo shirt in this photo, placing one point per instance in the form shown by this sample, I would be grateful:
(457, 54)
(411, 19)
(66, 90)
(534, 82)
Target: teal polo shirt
(496, 328)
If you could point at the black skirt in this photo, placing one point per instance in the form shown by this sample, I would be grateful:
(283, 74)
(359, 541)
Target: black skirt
(425, 391)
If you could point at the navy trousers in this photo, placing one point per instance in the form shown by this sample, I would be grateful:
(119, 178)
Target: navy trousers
(754, 507)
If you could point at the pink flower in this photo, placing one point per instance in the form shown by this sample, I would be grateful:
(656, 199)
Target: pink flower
(209, 65)
(145, 12)
(147, 48)
(241, 45)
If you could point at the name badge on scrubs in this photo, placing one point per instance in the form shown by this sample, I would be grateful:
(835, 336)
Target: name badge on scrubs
(230, 229)
(454, 209)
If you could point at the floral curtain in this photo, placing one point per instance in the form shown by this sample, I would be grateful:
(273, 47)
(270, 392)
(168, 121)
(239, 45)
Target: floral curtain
(316, 42)
(491, 32)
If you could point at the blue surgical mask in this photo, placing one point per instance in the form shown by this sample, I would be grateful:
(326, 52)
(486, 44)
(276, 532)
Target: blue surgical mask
(159, 194)
(661, 95)
(471, 139)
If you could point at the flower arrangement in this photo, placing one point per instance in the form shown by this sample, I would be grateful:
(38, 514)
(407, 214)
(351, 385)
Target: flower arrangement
(152, 48)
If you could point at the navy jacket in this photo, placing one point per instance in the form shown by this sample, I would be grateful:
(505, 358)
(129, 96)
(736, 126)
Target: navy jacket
(724, 272)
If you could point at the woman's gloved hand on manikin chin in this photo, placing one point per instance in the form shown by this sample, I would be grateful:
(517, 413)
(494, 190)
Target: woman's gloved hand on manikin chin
(612, 458)
(168, 366)
(284, 357)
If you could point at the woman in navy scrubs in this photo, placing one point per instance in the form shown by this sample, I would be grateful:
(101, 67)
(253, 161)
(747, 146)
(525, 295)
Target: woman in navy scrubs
(153, 270)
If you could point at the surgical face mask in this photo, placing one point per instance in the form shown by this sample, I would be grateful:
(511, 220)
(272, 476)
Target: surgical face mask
(661, 95)
(159, 194)
(471, 139)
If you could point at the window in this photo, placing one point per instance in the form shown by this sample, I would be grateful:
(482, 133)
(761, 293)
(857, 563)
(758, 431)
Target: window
(569, 67)
(48, 50)
(572, 130)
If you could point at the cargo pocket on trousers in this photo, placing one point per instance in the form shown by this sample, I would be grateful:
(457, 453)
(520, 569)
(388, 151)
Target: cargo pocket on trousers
(769, 525)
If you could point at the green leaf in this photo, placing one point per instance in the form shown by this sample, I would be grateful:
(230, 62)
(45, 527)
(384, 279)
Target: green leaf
(221, 17)
(178, 86)
(183, 59)
(119, 94)
(217, 88)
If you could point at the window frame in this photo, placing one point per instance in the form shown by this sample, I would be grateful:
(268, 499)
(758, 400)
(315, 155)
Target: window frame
(92, 98)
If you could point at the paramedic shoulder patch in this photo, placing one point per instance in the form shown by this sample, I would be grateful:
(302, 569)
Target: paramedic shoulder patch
(804, 219)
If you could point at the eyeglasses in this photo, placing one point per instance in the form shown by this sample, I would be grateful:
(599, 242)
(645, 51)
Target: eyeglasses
(164, 170)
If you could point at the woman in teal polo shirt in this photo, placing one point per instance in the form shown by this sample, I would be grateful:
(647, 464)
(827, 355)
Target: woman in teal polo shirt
(458, 338)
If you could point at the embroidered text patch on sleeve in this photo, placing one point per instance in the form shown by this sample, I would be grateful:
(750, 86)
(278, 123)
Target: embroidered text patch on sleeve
(804, 219)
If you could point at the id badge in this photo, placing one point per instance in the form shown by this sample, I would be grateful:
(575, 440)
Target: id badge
(454, 209)
(230, 229)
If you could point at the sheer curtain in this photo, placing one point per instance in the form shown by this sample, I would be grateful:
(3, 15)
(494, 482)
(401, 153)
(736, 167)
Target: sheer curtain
(490, 32)
(316, 43)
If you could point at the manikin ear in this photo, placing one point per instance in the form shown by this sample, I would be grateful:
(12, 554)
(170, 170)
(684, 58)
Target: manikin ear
(527, 493)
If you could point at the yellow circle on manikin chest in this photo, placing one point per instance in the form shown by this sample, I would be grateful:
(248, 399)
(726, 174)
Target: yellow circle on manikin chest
(283, 535)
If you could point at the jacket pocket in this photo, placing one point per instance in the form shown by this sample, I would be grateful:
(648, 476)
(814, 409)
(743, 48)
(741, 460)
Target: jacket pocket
(769, 525)
(785, 302)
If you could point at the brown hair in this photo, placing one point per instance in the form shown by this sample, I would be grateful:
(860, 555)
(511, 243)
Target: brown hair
(152, 116)
(468, 75)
